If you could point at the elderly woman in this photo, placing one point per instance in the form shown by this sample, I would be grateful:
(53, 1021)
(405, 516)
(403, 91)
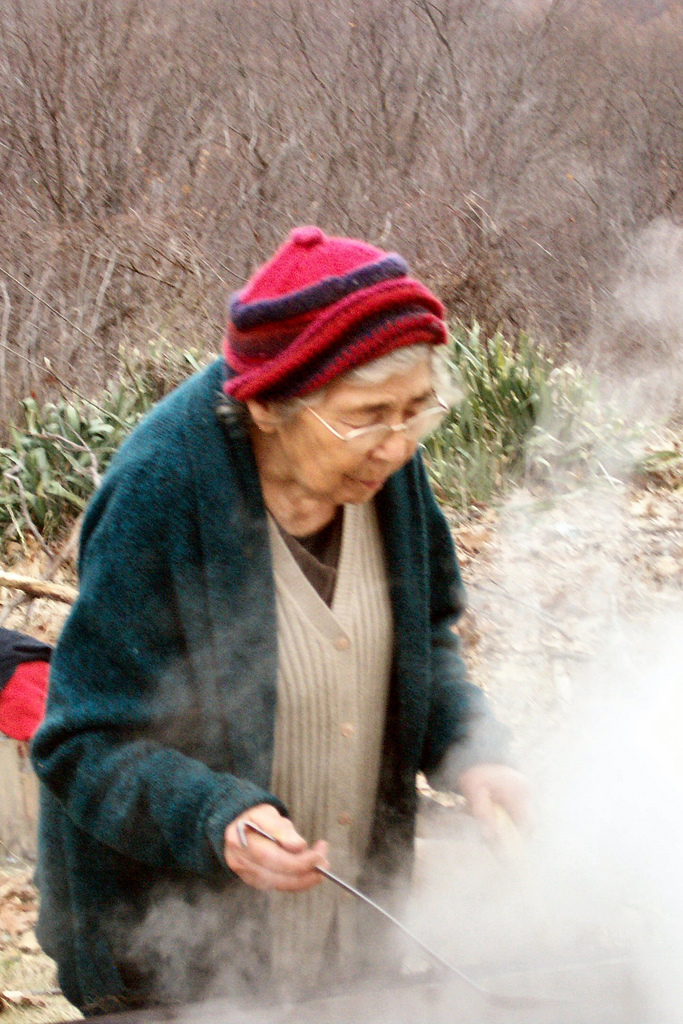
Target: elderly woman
(264, 632)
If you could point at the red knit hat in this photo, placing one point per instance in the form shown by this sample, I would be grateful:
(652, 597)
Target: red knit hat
(320, 307)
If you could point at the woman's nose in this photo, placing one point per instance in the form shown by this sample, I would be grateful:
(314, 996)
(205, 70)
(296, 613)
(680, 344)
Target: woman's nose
(396, 447)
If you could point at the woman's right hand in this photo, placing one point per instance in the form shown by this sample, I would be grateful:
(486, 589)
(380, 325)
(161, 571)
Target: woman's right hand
(263, 864)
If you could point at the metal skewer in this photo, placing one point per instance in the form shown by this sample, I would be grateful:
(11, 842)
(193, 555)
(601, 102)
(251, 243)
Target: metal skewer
(485, 993)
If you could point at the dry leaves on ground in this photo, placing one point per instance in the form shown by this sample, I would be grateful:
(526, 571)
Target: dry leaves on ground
(29, 993)
(18, 911)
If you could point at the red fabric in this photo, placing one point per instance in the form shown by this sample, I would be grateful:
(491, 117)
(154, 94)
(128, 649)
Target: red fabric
(22, 700)
(307, 257)
(290, 344)
(332, 326)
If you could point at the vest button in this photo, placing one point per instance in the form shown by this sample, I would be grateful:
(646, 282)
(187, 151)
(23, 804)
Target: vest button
(348, 729)
(344, 818)
(342, 643)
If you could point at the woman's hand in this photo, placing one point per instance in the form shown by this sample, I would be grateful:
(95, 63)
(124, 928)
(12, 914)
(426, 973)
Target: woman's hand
(263, 864)
(488, 787)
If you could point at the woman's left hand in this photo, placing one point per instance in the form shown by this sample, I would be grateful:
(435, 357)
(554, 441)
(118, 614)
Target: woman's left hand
(487, 787)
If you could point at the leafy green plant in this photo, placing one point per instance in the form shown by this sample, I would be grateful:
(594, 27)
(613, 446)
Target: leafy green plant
(504, 390)
(517, 417)
(57, 453)
(521, 418)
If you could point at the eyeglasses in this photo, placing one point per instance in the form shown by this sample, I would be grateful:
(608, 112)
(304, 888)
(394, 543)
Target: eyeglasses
(364, 439)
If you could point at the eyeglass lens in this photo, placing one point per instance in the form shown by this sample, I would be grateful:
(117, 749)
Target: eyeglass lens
(416, 427)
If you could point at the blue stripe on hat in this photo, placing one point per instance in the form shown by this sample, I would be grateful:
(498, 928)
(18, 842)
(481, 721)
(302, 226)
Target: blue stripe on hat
(317, 296)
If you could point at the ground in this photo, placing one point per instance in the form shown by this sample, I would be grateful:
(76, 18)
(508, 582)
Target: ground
(561, 586)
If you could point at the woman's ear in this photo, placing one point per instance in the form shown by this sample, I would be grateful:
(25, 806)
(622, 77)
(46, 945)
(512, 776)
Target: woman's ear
(263, 415)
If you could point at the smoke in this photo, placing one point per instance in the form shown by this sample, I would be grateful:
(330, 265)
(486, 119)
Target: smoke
(583, 658)
(578, 639)
(638, 334)
(599, 883)
(195, 943)
(577, 622)
(609, 852)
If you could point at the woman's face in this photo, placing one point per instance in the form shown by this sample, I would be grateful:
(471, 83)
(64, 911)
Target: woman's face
(328, 468)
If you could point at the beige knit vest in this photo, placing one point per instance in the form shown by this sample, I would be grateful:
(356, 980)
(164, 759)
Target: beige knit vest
(333, 677)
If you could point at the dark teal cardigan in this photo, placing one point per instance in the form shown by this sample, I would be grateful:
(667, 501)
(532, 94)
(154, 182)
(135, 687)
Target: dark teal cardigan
(159, 726)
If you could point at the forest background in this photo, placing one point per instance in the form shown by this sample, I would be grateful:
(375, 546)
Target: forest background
(526, 156)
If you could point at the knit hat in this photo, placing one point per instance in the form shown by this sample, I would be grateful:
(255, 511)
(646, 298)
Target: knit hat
(318, 308)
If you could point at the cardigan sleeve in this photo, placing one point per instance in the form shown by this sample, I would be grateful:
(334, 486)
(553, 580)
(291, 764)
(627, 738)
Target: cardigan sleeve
(462, 731)
(116, 745)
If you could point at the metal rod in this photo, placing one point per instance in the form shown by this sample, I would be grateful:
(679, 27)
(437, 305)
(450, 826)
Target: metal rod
(485, 993)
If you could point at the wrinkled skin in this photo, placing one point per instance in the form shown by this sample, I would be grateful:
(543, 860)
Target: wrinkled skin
(306, 472)
(262, 864)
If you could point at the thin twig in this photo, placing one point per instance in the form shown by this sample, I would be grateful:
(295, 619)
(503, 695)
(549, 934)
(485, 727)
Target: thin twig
(63, 555)
(13, 474)
(106, 281)
(39, 588)
(611, 479)
(7, 308)
(525, 604)
(52, 309)
(47, 368)
(93, 470)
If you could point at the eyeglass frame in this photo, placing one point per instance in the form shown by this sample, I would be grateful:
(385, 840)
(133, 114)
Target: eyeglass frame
(359, 432)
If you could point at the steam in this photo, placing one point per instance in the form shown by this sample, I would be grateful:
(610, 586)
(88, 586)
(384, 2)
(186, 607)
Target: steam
(639, 328)
(582, 654)
(584, 661)
(614, 825)
(579, 642)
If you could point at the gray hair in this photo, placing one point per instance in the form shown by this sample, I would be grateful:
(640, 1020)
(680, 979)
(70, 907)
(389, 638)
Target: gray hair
(377, 371)
(400, 360)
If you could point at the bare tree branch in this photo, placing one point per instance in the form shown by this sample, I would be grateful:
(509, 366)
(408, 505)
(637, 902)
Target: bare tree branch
(38, 588)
